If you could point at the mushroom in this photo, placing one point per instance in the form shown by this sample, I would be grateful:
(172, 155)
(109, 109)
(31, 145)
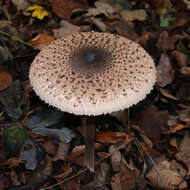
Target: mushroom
(91, 73)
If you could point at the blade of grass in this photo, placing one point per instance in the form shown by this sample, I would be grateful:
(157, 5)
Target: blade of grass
(15, 38)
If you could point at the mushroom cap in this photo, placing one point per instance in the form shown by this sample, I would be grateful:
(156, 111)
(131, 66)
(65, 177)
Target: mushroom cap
(91, 73)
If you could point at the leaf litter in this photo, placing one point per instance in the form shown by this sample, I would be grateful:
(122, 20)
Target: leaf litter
(146, 147)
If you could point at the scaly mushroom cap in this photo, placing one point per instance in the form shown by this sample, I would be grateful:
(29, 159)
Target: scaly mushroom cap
(92, 73)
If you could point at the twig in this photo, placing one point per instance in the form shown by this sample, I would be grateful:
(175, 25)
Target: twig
(15, 38)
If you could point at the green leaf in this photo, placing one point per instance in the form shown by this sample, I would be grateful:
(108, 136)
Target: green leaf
(165, 21)
(13, 139)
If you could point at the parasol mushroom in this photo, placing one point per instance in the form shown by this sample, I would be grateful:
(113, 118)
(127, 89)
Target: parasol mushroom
(91, 73)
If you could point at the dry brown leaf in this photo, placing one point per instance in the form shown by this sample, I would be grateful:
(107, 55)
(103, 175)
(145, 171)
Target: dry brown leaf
(102, 175)
(99, 24)
(42, 172)
(14, 178)
(161, 6)
(5, 80)
(184, 115)
(165, 71)
(167, 94)
(185, 70)
(63, 175)
(11, 162)
(101, 8)
(79, 150)
(64, 8)
(115, 182)
(111, 137)
(152, 122)
(73, 184)
(21, 4)
(166, 42)
(49, 147)
(184, 154)
(115, 158)
(66, 29)
(180, 57)
(177, 127)
(163, 175)
(41, 41)
(173, 142)
(62, 151)
(172, 120)
(128, 175)
(131, 15)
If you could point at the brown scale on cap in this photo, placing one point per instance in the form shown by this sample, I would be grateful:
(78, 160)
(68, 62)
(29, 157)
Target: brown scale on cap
(92, 73)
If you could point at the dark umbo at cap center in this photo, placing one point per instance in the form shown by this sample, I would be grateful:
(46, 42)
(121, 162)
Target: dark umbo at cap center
(90, 60)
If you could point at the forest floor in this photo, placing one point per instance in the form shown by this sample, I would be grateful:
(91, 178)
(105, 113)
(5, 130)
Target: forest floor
(145, 147)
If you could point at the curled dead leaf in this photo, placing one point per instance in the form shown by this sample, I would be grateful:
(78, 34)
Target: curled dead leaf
(41, 41)
(66, 29)
(163, 175)
(131, 15)
(185, 70)
(5, 80)
(111, 137)
(165, 72)
(64, 8)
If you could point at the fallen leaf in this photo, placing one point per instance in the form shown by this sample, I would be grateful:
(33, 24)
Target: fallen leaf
(115, 182)
(66, 29)
(14, 178)
(62, 151)
(131, 15)
(166, 42)
(4, 53)
(152, 122)
(187, 3)
(41, 173)
(102, 175)
(111, 137)
(11, 162)
(165, 71)
(63, 175)
(185, 70)
(180, 57)
(128, 175)
(172, 120)
(79, 150)
(44, 117)
(166, 20)
(101, 8)
(21, 4)
(183, 89)
(73, 184)
(13, 139)
(162, 175)
(5, 80)
(64, 135)
(184, 115)
(167, 94)
(41, 41)
(115, 158)
(184, 155)
(177, 127)
(32, 154)
(99, 24)
(50, 147)
(162, 6)
(64, 8)
(37, 11)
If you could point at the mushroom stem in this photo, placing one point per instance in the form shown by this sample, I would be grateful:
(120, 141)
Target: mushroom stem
(89, 129)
